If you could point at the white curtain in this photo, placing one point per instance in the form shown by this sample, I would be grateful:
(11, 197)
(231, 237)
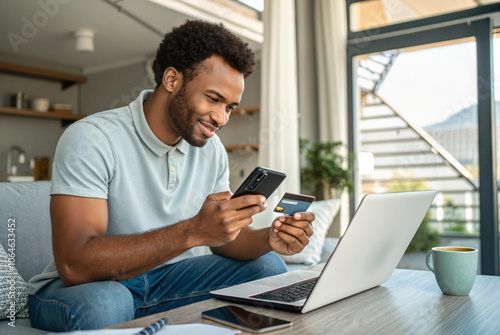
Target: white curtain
(321, 45)
(331, 39)
(278, 138)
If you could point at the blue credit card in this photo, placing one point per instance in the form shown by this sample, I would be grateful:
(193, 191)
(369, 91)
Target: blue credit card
(293, 203)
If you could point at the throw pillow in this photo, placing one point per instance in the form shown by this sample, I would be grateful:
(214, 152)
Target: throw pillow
(325, 211)
(13, 290)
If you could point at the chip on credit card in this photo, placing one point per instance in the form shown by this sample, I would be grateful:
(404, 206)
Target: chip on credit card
(292, 203)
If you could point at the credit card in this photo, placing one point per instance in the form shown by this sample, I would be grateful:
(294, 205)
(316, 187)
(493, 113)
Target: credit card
(292, 203)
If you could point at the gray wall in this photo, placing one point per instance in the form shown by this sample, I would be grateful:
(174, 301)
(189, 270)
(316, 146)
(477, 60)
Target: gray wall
(114, 88)
(119, 86)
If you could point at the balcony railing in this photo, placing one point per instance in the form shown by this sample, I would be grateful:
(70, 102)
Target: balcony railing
(405, 153)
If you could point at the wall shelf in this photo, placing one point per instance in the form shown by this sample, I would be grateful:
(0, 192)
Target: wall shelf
(65, 116)
(66, 79)
(246, 110)
(247, 147)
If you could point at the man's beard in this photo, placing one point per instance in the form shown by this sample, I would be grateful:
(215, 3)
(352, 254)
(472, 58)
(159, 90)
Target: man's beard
(181, 115)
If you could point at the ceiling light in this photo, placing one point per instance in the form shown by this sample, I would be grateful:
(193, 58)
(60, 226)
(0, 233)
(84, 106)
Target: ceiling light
(84, 40)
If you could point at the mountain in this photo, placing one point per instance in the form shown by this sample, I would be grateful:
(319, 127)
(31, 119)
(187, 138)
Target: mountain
(466, 118)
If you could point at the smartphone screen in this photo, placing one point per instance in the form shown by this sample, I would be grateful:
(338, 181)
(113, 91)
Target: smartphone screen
(261, 181)
(240, 318)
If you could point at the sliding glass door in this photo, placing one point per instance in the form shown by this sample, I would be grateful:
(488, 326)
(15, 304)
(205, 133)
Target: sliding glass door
(417, 119)
(422, 118)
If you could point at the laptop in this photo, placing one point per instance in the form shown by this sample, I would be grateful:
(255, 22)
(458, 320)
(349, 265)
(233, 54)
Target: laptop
(365, 257)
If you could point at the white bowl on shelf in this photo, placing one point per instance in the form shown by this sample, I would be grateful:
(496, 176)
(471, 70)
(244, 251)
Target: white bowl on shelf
(40, 104)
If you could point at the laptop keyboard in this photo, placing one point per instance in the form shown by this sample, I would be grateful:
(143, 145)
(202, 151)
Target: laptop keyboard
(291, 293)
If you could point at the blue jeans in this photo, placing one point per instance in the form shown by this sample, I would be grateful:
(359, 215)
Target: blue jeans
(103, 304)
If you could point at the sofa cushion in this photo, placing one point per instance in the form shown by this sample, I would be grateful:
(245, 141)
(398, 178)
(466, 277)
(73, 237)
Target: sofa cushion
(26, 207)
(328, 248)
(325, 211)
(13, 289)
(23, 327)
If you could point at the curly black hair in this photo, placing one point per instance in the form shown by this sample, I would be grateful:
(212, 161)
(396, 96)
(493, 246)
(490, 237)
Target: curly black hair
(188, 45)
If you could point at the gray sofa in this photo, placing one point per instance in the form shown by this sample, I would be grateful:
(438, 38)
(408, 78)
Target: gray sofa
(27, 204)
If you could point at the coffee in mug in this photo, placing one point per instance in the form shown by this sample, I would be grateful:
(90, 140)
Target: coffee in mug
(454, 267)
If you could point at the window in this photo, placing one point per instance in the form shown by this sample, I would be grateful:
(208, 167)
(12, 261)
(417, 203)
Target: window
(258, 5)
(421, 102)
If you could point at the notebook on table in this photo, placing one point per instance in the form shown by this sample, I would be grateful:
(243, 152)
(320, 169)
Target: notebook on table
(366, 255)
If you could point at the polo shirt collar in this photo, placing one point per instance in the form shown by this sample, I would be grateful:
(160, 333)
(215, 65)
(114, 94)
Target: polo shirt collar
(145, 133)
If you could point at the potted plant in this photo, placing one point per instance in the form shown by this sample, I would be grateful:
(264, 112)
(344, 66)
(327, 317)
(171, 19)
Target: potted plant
(324, 169)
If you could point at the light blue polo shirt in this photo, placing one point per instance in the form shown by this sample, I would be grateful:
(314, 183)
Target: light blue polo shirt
(114, 155)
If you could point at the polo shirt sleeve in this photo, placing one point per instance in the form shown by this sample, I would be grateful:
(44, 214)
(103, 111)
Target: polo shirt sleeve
(83, 162)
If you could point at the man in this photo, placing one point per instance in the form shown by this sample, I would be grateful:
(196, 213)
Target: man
(136, 189)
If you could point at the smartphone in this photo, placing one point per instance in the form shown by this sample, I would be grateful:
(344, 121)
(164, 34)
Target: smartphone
(240, 318)
(261, 181)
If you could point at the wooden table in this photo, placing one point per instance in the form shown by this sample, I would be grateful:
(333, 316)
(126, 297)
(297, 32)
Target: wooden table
(409, 303)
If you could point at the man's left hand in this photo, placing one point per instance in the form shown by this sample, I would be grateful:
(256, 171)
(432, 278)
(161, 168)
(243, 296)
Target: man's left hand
(290, 234)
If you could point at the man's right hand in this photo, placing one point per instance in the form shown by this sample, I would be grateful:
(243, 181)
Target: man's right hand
(221, 218)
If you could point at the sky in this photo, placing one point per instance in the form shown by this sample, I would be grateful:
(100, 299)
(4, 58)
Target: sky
(257, 4)
(429, 85)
